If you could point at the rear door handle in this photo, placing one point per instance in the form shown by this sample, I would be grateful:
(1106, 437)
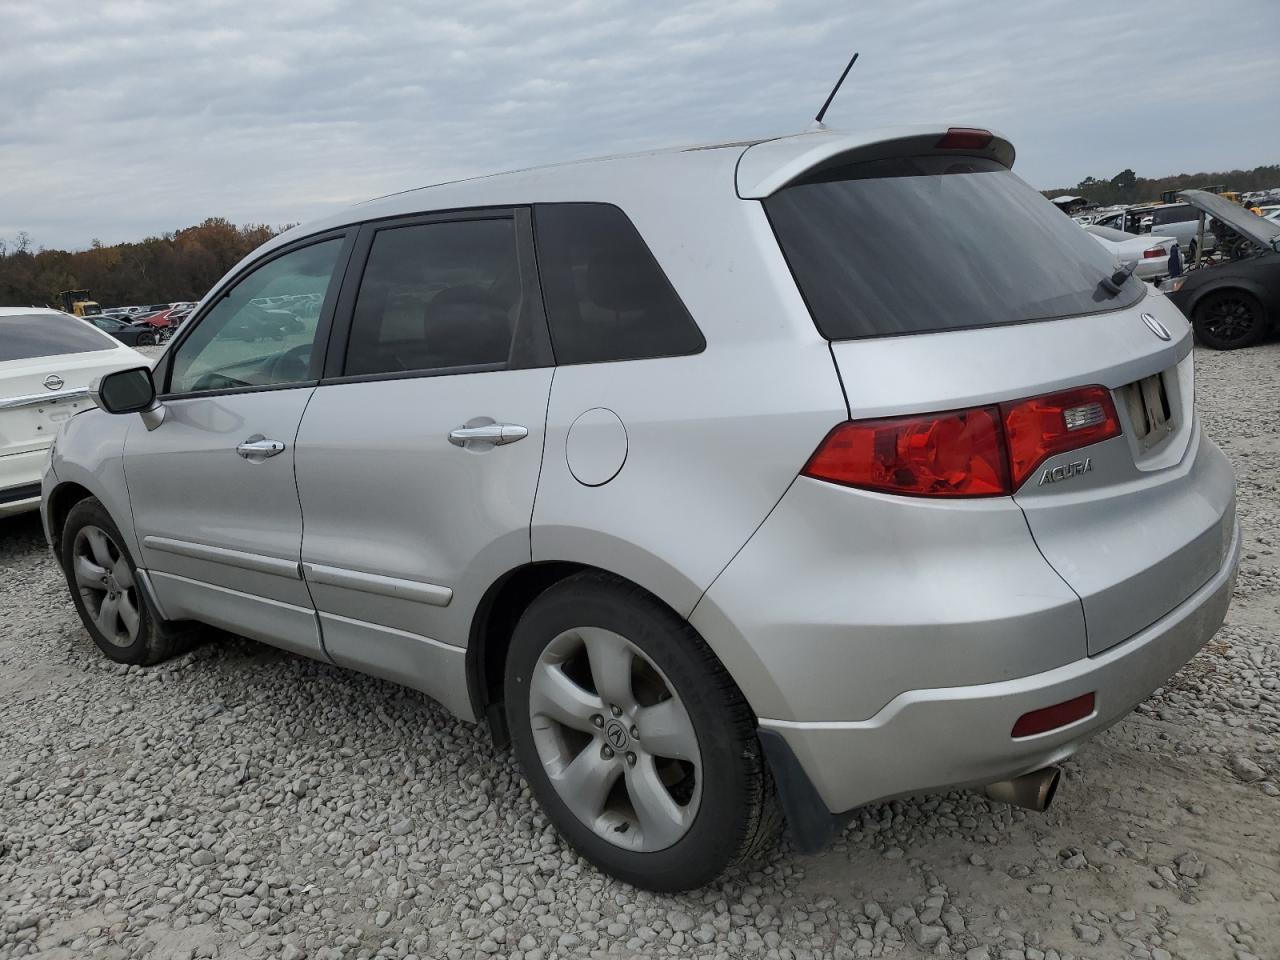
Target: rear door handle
(489, 433)
(258, 448)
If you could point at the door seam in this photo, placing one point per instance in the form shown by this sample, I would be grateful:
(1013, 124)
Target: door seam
(302, 523)
(542, 460)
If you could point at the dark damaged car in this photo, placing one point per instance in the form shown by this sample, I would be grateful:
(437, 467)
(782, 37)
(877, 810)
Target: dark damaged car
(1236, 303)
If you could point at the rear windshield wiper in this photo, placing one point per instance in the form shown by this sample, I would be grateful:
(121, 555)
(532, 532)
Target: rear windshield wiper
(1115, 283)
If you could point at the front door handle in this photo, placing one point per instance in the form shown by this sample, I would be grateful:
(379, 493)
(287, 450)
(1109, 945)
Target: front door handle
(257, 448)
(495, 434)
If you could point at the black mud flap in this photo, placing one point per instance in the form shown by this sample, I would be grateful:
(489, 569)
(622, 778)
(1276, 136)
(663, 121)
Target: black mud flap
(811, 825)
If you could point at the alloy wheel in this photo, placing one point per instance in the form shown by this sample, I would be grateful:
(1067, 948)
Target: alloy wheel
(1229, 318)
(615, 740)
(106, 585)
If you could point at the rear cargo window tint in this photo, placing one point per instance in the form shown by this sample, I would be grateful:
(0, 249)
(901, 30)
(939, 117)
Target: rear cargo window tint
(26, 336)
(917, 245)
(606, 296)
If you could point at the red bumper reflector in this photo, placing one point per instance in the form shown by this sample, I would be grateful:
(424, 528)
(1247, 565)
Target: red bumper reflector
(1050, 718)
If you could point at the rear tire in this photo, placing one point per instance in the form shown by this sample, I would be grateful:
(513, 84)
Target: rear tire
(1229, 320)
(146, 340)
(112, 604)
(670, 788)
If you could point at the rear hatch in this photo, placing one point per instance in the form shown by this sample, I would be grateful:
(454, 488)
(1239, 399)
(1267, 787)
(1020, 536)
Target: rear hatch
(47, 361)
(947, 284)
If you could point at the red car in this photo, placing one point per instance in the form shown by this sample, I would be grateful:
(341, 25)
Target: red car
(156, 316)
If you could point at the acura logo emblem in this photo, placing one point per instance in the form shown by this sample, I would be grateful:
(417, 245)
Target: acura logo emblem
(54, 382)
(616, 734)
(1156, 327)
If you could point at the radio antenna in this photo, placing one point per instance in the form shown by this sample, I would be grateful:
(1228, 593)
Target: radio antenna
(834, 90)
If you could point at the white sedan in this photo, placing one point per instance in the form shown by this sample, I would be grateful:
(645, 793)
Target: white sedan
(47, 361)
(1150, 253)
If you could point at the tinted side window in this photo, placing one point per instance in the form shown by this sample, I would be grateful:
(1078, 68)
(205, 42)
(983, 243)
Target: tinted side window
(1179, 214)
(435, 296)
(606, 296)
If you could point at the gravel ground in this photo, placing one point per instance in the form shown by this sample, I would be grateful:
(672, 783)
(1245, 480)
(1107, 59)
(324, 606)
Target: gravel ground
(242, 802)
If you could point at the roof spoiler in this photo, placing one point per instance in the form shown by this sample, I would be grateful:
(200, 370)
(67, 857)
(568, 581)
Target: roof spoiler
(767, 167)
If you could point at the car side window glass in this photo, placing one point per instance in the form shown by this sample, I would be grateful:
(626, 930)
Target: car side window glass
(606, 296)
(437, 296)
(263, 331)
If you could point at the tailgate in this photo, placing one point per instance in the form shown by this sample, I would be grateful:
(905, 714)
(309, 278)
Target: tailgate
(1148, 522)
(1133, 524)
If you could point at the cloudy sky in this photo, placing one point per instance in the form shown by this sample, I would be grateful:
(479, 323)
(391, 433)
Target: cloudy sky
(123, 118)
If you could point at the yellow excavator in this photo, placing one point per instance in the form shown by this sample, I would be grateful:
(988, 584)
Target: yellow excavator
(77, 303)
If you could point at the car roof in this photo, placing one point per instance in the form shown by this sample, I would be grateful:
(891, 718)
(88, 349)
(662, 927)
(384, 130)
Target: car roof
(13, 311)
(772, 163)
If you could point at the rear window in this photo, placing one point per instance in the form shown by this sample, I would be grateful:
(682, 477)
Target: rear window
(925, 244)
(606, 296)
(25, 336)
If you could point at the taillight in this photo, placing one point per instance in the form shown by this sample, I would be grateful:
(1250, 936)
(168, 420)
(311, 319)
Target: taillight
(1041, 427)
(982, 452)
(1153, 252)
(965, 138)
(948, 455)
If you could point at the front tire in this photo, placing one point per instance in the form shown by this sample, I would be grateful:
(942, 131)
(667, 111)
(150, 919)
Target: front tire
(634, 739)
(103, 581)
(1229, 320)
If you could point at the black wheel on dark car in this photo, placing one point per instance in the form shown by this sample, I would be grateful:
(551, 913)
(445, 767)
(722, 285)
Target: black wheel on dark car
(638, 745)
(1230, 319)
(146, 340)
(103, 581)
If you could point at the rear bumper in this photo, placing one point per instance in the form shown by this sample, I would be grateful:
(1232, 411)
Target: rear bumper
(20, 481)
(960, 736)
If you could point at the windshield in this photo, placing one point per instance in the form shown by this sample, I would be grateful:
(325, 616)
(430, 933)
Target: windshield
(25, 336)
(934, 243)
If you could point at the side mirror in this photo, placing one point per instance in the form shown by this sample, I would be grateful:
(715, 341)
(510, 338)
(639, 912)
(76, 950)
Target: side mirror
(129, 391)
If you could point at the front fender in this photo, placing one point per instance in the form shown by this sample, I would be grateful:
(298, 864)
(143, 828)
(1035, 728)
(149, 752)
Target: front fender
(89, 453)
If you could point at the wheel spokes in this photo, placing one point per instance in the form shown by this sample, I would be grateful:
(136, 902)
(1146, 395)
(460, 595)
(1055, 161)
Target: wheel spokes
(122, 573)
(89, 574)
(554, 695)
(666, 730)
(585, 783)
(611, 661)
(662, 820)
(100, 547)
(128, 615)
(107, 615)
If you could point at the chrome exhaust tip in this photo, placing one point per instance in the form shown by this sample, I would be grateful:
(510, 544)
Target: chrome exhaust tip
(1031, 791)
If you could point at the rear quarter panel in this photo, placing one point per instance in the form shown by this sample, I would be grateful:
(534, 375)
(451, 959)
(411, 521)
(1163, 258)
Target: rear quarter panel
(714, 439)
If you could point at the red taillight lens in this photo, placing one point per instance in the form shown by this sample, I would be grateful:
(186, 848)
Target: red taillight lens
(1153, 252)
(983, 452)
(948, 455)
(965, 138)
(1041, 427)
(1050, 718)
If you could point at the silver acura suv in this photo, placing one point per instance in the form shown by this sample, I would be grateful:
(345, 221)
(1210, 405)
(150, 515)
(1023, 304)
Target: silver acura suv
(734, 486)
